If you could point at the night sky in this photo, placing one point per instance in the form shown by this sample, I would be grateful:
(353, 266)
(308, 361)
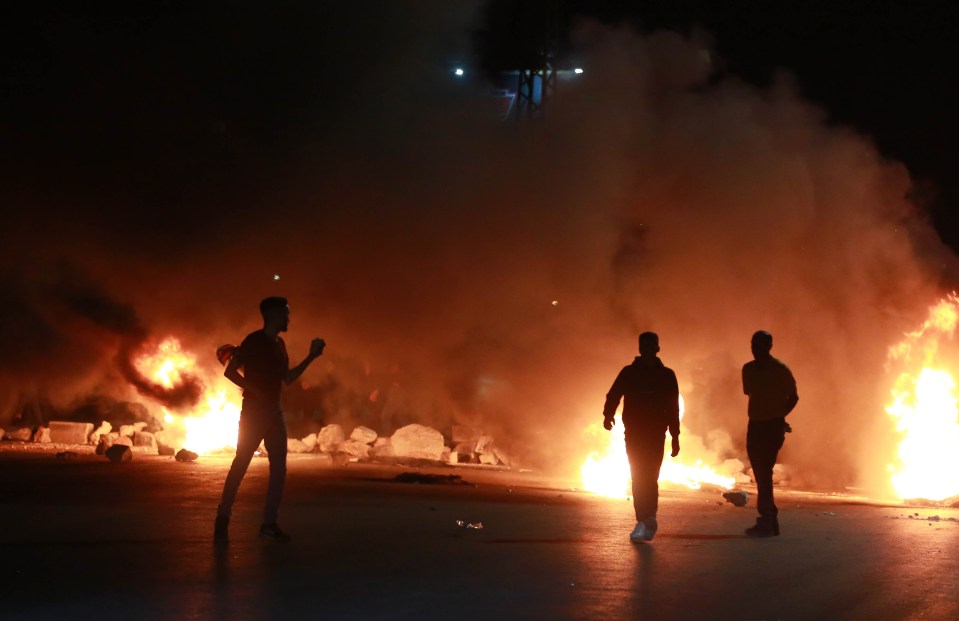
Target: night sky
(169, 102)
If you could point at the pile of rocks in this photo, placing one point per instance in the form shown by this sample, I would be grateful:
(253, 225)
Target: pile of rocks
(414, 441)
(103, 437)
(420, 442)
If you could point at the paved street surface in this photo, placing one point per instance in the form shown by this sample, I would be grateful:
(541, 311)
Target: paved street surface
(86, 539)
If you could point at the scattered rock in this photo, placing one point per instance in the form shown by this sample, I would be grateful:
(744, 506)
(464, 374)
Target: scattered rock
(418, 441)
(295, 446)
(127, 430)
(24, 434)
(329, 438)
(166, 442)
(65, 432)
(68, 455)
(309, 442)
(364, 435)
(354, 448)
(933, 518)
(42, 436)
(119, 453)
(382, 448)
(469, 435)
(501, 456)
(146, 440)
(488, 458)
(484, 445)
(100, 431)
(737, 497)
(122, 441)
(464, 452)
(185, 455)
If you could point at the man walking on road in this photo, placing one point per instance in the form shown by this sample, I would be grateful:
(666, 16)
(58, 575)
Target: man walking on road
(262, 357)
(772, 396)
(650, 397)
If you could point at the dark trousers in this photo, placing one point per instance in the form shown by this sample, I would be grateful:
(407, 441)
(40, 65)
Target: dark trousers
(645, 453)
(763, 441)
(269, 428)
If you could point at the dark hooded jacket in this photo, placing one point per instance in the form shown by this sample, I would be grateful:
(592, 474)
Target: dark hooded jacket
(651, 397)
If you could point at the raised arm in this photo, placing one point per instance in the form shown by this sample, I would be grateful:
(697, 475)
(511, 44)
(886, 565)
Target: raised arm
(316, 350)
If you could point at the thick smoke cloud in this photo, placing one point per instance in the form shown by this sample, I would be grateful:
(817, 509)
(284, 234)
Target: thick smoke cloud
(504, 271)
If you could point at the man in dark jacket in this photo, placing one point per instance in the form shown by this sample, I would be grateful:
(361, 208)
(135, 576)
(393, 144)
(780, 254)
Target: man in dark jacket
(772, 395)
(650, 405)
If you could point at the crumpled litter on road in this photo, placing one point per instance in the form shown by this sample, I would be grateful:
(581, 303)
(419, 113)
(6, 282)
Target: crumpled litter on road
(469, 526)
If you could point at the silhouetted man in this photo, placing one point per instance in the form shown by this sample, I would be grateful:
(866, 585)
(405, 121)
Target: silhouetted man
(650, 405)
(265, 364)
(772, 395)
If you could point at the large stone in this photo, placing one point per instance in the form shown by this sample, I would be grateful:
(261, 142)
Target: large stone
(329, 438)
(24, 434)
(99, 432)
(382, 447)
(145, 439)
(42, 436)
(295, 446)
(484, 445)
(65, 432)
(462, 434)
(354, 448)
(309, 442)
(737, 497)
(501, 456)
(418, 441)
(324, 459)
(127, 430)
(166, 442)
(119, 453)
(465, 450)
(185, 455)
(121, 441)
(364, 435)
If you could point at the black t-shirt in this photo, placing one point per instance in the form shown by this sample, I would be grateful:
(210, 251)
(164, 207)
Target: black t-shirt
(265, 362)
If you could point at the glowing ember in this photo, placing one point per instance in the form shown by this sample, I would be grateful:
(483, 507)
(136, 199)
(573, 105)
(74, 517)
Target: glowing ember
(924, 407)
(211, 426)
(606, 472)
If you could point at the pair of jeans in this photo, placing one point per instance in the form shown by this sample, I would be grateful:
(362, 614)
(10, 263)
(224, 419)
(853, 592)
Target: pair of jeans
(645, 451)
(763, 441)
(258, 425)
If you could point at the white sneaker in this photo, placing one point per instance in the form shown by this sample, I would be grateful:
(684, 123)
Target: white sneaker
(639, 533)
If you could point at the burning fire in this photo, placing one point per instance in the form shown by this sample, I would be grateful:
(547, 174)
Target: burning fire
(924, 406)
(606, 472)
(211, 426)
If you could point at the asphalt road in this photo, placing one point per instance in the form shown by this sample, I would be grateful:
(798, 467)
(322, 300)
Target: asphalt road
(86, 539)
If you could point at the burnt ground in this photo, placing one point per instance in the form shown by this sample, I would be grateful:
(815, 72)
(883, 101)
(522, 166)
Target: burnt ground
(86, 539)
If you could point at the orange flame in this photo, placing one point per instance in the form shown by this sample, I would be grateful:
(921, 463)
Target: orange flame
(211, 426)
(924, 407)
(606, 471)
